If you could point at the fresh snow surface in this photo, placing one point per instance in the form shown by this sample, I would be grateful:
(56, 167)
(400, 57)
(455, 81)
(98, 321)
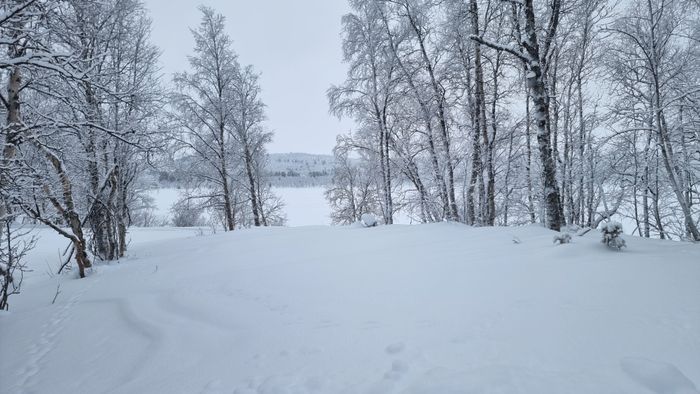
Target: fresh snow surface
(304, 206)
(426, 309)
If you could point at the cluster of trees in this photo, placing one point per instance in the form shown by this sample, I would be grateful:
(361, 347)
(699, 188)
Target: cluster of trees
(300, 169)
(498, 112)
(82, 94)
(84, 110)
(217, 106)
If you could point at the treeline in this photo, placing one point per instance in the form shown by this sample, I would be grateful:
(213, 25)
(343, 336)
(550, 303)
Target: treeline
(496, 112)
(281, 170)
(294, 174)
(86, 110)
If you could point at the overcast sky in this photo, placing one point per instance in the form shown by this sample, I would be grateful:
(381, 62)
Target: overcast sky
(295, 44)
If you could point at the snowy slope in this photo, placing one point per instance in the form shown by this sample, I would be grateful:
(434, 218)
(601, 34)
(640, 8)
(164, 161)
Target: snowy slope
(439, 308)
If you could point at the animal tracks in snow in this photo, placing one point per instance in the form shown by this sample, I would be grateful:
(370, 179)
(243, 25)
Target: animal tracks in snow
(398, 368)
(47, 341)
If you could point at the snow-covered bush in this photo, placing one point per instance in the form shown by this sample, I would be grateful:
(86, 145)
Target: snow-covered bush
(144, 212)
(187, 214)
(368, 220)
(562, 238)
(15, 243)
(612, 232)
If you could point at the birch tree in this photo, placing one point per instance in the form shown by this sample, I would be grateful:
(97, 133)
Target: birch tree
(204, 107)
(66, 157)
(533, 50)
(369, 91)
(655, 66)
(220, 116)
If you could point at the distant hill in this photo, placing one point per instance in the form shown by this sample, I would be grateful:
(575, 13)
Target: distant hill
(284, 170)
(300, 169)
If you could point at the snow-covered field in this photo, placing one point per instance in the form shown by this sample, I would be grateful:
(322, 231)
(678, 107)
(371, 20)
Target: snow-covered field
(425, 309)
(304, 206)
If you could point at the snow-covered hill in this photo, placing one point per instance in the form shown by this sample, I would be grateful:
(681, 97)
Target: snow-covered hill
(426, 309)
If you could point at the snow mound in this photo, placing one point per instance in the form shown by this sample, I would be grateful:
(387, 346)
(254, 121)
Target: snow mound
(368, 220)
(612, 235)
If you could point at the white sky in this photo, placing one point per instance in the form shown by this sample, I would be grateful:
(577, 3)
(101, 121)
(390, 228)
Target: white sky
(295, 44)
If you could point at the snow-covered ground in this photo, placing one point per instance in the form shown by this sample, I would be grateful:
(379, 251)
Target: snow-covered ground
(305, 206)
(441, 308)
(164, 199)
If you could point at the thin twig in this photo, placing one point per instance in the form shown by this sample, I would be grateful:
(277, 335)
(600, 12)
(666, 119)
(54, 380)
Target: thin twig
(58, 291)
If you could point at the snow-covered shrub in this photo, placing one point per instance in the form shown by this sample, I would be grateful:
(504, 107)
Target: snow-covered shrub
(562, 238)
(187, 214)
(368, 220)
(144, 212)
(612, 232)
(15, 243)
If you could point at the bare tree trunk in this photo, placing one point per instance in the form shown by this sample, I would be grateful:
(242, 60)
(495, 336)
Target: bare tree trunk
(414, 176)
(655, 201)
(384, 156)
(581, 144)
(439, 93)
(528, 117)
(12, 130)
(687, 173)
(251, 180)
(542, 120)
(591, 203)
(383, 171)
(506, 181)
(469, 200)
(67, 210)
(13, 113)
(567, 162)
(647, 187)
(479, 120)
(553, 104)
(223, 172)
(475, 177)
(259, 193)
(490, 145)
(528, 161)
(388, 190)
